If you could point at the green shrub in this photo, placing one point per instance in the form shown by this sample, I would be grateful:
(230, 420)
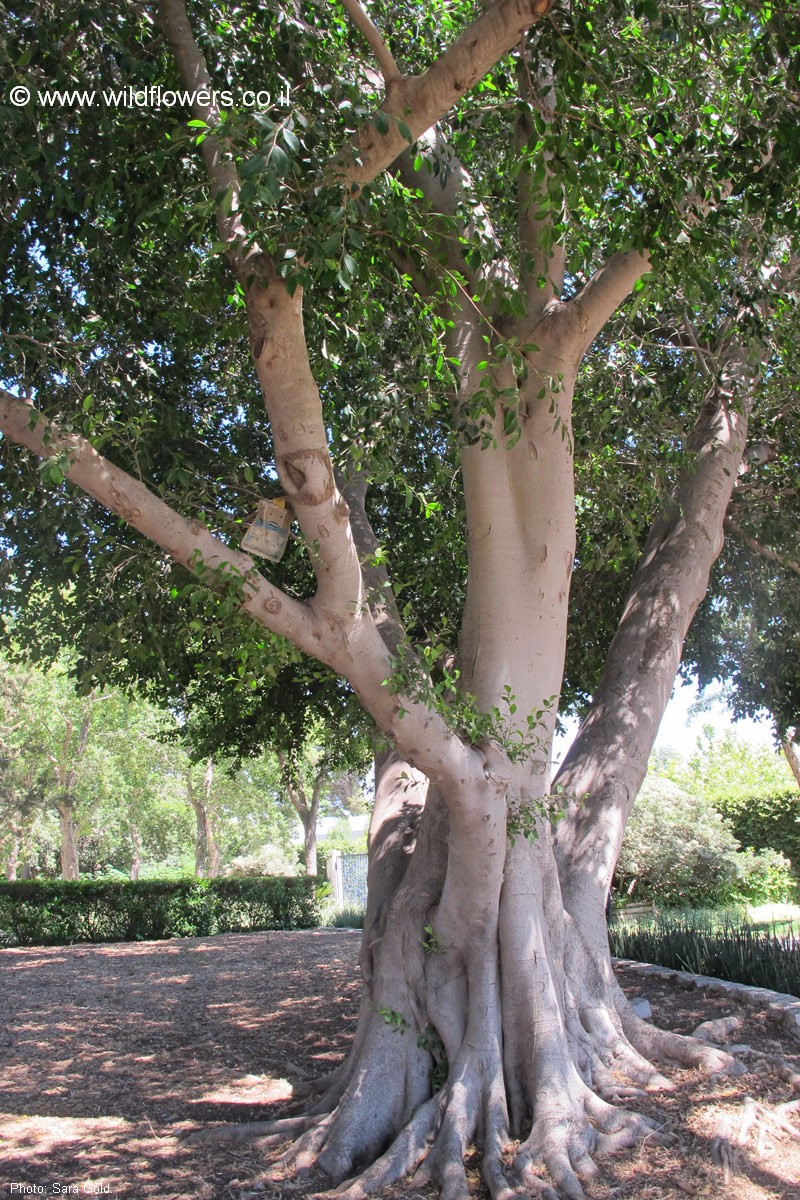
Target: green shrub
(765, 878)
(678, 850)
(347, 918)
(54, 913)
(735, 952)
(766, 822)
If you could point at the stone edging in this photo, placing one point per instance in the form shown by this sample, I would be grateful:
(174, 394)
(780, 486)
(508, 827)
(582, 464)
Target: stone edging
(781, 1007)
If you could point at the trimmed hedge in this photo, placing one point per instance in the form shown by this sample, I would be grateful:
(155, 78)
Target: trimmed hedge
(56, 913)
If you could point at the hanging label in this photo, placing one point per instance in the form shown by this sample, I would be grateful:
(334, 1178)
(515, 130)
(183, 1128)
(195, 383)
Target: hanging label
(268, 532)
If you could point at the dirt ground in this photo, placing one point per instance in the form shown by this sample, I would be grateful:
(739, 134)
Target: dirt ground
(111, 1055)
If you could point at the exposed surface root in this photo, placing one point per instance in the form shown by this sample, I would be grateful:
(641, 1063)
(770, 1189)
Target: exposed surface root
(720, 1030)
(781, 1067)
(572, 1125)
(616, 1069)
(761, 1121)
(668, 1047)
(466, 1113)
(567, 1139)
(269, 1133)
(302, 1155)
(402, 1157)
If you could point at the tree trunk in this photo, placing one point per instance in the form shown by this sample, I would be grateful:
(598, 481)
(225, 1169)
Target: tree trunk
(69, 849)
(212, 847)
(66, 774)
(468, 957)
(310, 847)
(307, 808)
(13, 858)
(201, 827)
(791, 755)
(490, 955)
(604, 769)
(136, 855)
(206, 850)
(213, 851)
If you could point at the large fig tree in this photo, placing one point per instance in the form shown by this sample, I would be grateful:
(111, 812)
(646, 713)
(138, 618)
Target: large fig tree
(419, 223)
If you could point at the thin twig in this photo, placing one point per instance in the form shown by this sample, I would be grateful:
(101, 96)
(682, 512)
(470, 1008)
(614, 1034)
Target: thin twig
(364, 23)
(764, 551)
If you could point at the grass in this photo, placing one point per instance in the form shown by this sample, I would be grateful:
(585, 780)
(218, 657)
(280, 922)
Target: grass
(777, 918)
(780, 918)
(760, 947)
(345, 918)
(757, 946)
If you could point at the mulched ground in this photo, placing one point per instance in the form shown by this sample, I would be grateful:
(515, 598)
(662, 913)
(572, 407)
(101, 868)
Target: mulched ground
(109, 1055)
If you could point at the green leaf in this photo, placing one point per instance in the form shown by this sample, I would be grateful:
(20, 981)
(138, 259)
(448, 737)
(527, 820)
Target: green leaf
(278, 160)
(290, 140)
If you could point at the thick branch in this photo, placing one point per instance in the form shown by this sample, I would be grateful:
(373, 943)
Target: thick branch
(602, 295)
(280, 356)
(188, 542)
(363, 22)
(608, 759)
(302, 457)
(421, 101)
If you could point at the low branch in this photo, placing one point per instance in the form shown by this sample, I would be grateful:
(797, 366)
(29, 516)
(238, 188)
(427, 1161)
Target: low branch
(602, 295)
(419, 102)
(188, 542)
(759, 548)
(608, 759)
(702, 353)
(383, 55)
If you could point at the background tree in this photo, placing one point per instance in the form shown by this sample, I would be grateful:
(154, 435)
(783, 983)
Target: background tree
(751, 786)
(132, 781)
(52, 725)
(24, 776)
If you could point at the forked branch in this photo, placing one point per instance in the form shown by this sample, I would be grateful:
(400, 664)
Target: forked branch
(417, 103)
(188, 542)
(601, 296)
